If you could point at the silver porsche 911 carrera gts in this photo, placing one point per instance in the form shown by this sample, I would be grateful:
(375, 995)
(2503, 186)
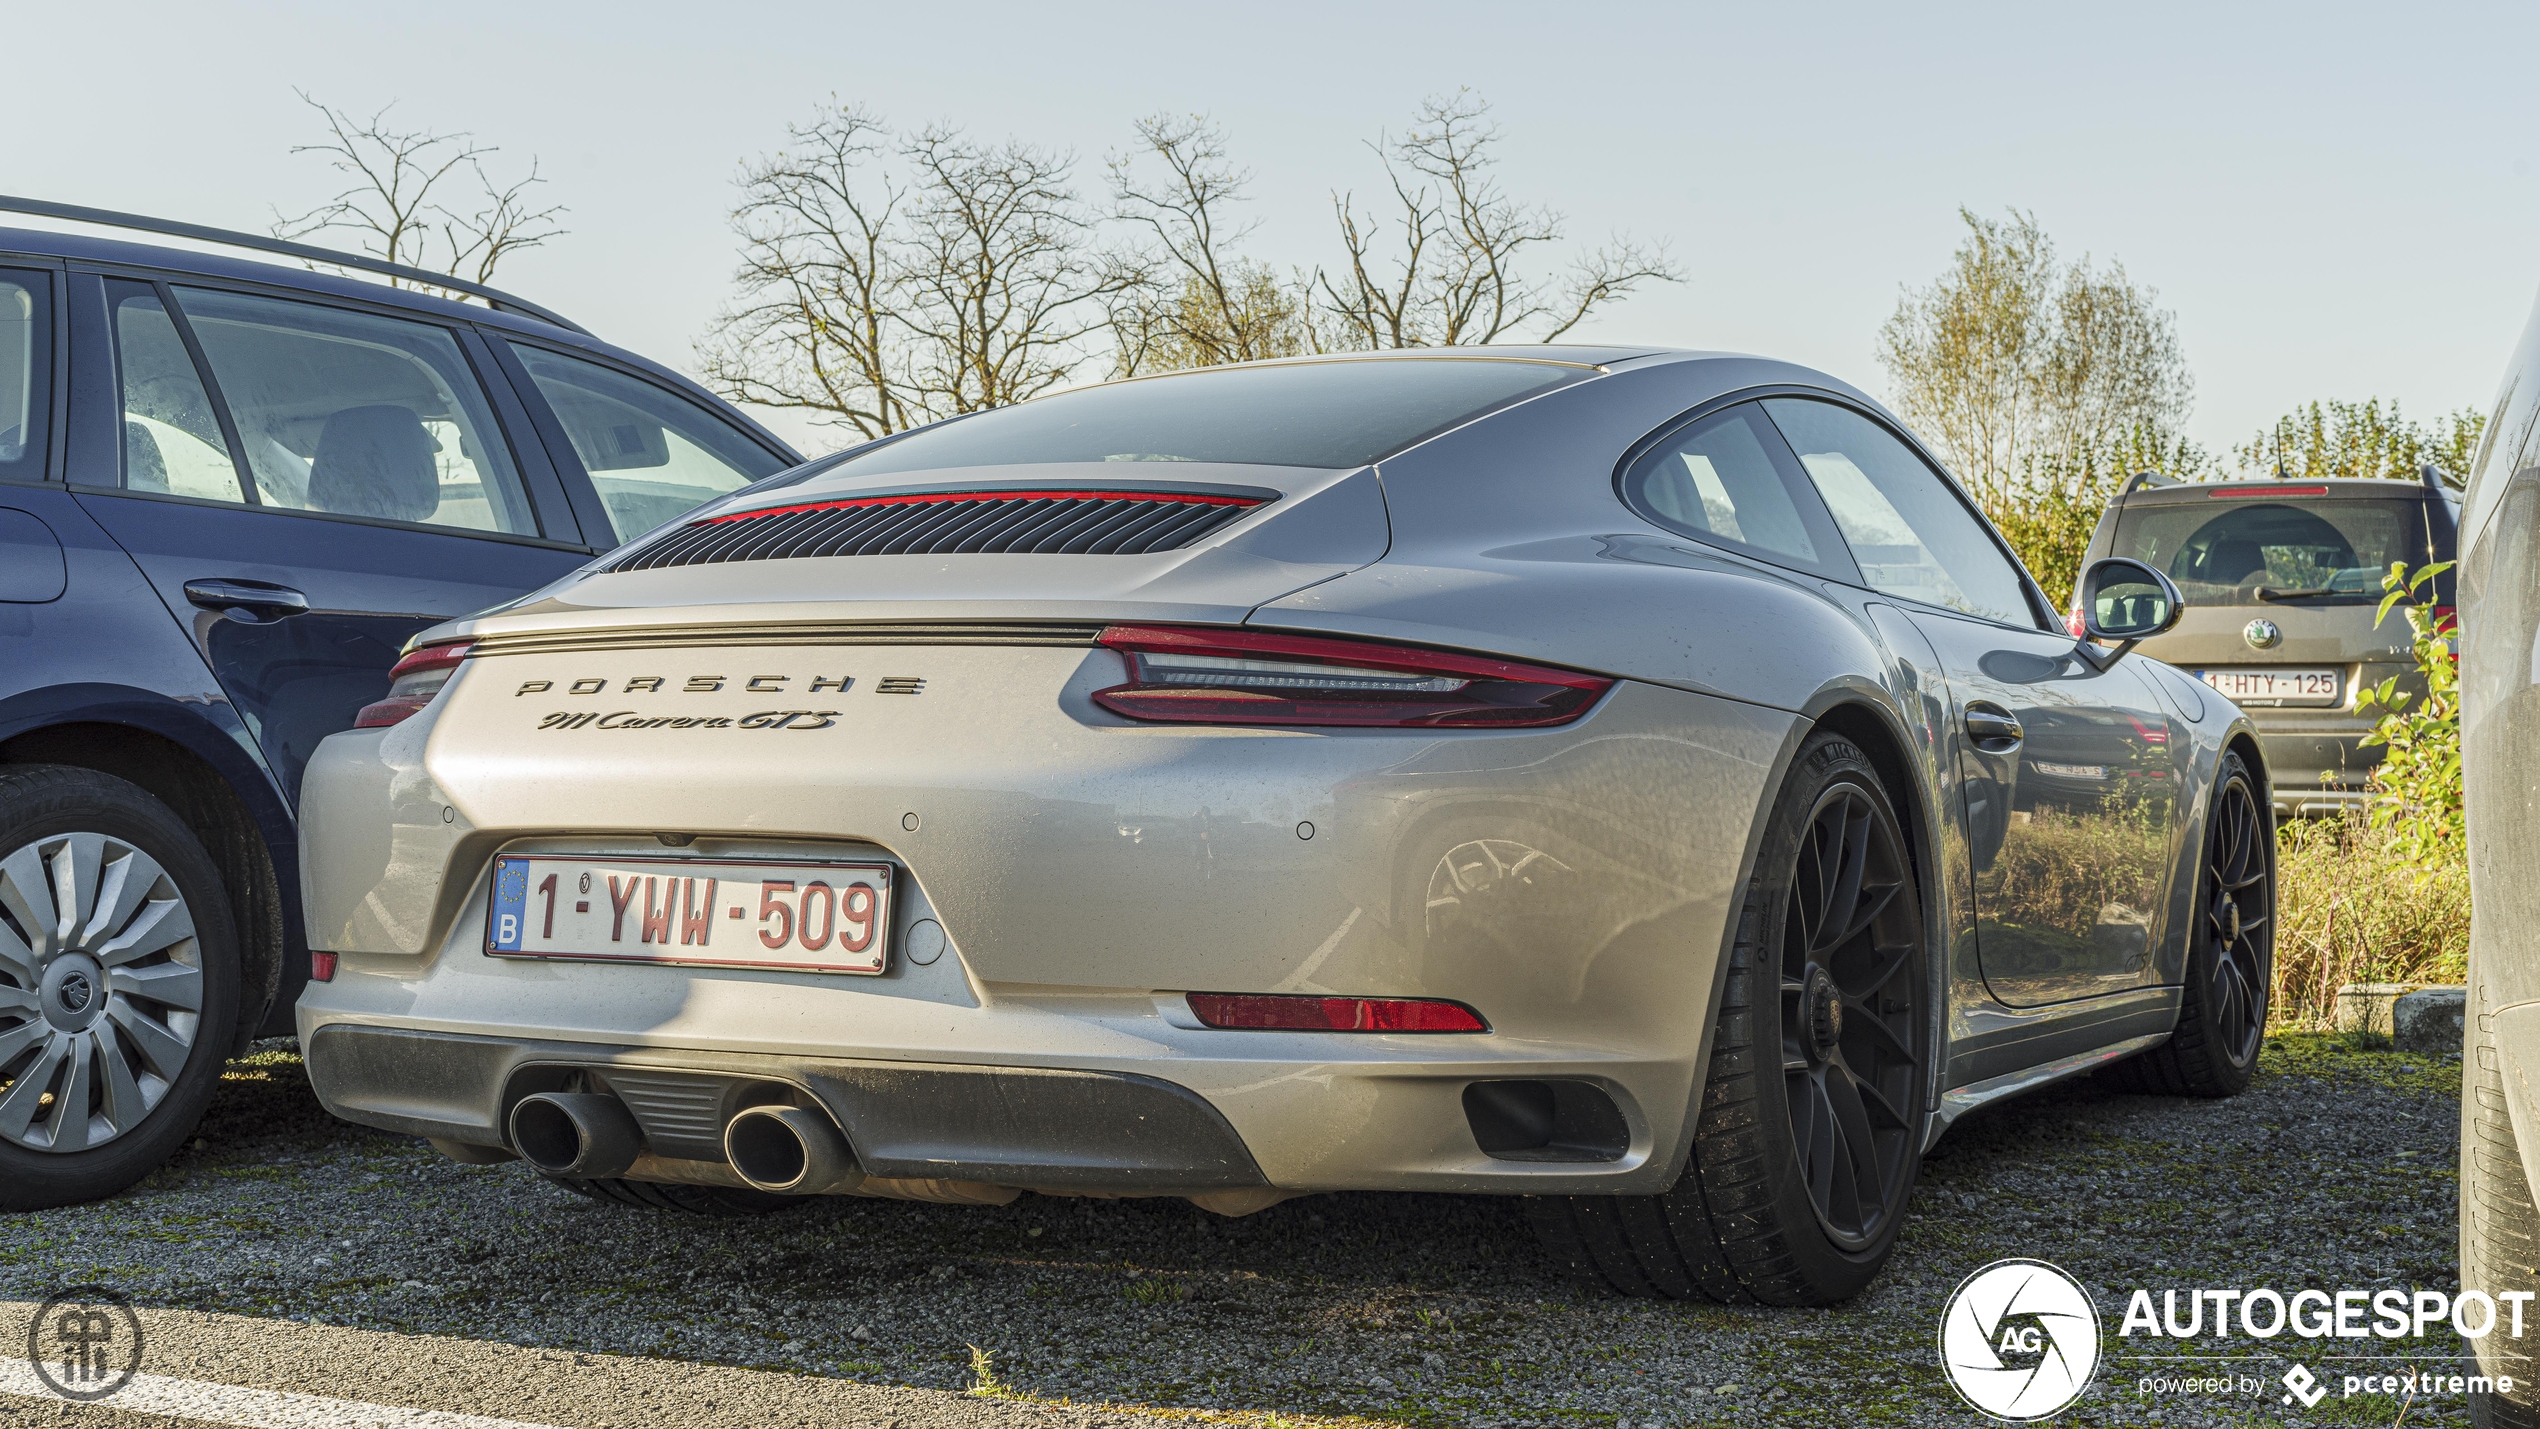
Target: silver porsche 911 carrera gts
(1638, 781)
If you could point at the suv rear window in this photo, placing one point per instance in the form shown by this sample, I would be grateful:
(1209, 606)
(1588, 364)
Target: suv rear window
(1319, 414)
(2225, 552)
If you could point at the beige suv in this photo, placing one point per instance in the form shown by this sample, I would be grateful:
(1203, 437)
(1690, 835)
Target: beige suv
(2282, 580)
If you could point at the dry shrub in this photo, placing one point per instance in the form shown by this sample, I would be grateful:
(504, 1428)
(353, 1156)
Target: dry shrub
(2352, 907)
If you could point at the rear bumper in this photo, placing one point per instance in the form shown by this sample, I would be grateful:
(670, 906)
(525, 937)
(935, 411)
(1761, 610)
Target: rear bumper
(2316, 762)
(1004, 1125)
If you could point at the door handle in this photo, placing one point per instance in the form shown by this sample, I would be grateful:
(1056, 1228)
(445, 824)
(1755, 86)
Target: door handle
(248, 602)
(1992, 728)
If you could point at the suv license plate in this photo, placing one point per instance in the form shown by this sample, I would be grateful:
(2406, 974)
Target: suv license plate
(2275, 687)
(801, 916)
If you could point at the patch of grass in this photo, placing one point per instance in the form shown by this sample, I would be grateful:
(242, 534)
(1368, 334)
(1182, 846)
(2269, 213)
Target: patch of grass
(1158, 1292)
(2353, 907)
(983, 1375)
(2357, 1056)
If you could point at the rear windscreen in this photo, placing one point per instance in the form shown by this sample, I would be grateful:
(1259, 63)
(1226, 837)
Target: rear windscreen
(2225, 552)
(1320, 414)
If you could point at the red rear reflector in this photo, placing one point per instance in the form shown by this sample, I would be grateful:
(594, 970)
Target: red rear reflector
(2235, 489)
(1213, 675)
(321, 967)
(1290, 1012)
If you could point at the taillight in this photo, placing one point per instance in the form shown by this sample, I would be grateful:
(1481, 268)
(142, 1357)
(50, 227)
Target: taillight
(1200, 675)
(321, 967)
(2072, 622)
(1292, 1012)
(2447, 619)
(413, 683)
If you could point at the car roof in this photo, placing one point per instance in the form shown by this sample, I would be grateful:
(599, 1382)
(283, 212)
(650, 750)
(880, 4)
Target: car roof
(86, 248)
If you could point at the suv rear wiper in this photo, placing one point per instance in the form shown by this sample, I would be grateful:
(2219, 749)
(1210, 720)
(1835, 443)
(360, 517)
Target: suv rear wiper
(2268, 592)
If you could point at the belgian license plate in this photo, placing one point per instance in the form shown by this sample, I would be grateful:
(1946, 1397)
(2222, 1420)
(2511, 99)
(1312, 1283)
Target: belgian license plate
(806, 917)
(2275, 687)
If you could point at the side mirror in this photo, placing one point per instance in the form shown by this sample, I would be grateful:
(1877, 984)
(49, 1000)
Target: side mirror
(2124, 602)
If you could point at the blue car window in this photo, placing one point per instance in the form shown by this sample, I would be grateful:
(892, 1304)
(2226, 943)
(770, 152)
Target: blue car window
(26, 360)
(653, 456)
(172, 443)
(356, 414)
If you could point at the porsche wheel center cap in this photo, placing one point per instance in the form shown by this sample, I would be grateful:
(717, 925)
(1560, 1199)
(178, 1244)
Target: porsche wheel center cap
(1824, 1005)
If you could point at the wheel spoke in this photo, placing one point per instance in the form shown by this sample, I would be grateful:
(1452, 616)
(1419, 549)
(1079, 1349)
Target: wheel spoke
(1891, 962)
(1843, 899)
(68, 1125)
(162, 924)
(1874, 1103)
(1860, 1158)
(1868, 904)
(161, 1049)
(27, 893)
(121, 888)
(175, 984)
(18, 1108)
(17, 999)
(125, 1106)
(75, 864)
(16, 958)
(1858, 1014)
(15, 1040)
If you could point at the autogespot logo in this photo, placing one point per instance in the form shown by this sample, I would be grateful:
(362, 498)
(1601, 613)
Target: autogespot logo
(2019, 1339)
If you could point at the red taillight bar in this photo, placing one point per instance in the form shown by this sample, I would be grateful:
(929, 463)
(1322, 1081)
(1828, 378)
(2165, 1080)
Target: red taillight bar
(439, 659)
(430, 657)
(1292, 1012)
(2236, 489)
(1204, 640)
(1186, 498)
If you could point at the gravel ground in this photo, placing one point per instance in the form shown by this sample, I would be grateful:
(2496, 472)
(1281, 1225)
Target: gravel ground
(2335, 1170)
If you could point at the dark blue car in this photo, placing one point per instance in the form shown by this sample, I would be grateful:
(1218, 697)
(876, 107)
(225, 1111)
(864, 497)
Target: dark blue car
(229, 491)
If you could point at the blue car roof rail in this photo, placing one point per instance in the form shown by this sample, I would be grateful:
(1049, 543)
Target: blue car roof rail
(310, 252)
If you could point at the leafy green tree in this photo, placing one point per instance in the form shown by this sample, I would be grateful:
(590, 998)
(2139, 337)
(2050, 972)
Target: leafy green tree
(2013, 362)
(2332, 438)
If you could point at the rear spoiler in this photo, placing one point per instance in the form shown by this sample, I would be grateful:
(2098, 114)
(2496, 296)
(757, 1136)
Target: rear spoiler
(2143, 479)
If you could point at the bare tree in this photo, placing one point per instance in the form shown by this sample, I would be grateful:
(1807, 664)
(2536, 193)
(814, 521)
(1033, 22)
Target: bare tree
(1194, 301)
(886, 282)
(399, 198)
(2012, 361)
(1456, 272)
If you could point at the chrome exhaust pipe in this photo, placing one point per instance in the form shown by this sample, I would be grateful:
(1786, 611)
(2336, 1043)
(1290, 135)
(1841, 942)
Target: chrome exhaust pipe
(579, 1134)
(791, 1152)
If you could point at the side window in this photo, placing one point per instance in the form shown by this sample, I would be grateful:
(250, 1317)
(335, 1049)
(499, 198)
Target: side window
(171, 441)
(26, 365)
(653, 455)
(1728, 479)
(356, 414)
(1910, 533)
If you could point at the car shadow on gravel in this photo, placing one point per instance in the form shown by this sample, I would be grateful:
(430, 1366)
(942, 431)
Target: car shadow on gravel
(2335, 1169)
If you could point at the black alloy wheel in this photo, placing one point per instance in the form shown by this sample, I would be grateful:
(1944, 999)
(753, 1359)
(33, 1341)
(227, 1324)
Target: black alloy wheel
(2239, 902)
(1807, 1134)
(1850, 1070)
(2230, 967)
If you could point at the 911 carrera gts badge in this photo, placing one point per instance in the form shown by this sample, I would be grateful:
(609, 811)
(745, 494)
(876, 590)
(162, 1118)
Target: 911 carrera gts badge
(634, 719)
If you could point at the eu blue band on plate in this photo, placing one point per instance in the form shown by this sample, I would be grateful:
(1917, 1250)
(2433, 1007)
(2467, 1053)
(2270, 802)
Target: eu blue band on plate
(511, 903)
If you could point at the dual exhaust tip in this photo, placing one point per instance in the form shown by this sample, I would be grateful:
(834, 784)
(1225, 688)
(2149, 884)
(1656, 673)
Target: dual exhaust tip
(591, 1136)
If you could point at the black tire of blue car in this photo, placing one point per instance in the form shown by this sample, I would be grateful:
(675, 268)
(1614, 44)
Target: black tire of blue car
(2500, 1231)
(1807, 1139)
(105, 1049)
(2222, 1015)
(696, 1200)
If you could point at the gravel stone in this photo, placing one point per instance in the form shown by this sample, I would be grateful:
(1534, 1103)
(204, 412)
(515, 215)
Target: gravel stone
(2335, 1170)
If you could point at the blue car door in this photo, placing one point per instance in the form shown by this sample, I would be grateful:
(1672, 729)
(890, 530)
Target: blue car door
(307, 485)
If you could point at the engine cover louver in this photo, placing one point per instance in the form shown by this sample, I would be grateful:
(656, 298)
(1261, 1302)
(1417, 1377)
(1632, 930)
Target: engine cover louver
(944, 523)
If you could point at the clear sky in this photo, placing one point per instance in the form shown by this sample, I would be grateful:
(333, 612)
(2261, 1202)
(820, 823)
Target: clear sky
(2337, 200)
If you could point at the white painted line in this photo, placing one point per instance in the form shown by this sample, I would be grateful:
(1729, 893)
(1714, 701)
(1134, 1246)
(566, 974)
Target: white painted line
(259, 1408)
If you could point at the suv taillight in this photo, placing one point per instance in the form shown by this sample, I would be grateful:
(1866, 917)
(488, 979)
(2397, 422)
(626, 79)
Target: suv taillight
(413, 683)
(1201, 675)
(2072, 621)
